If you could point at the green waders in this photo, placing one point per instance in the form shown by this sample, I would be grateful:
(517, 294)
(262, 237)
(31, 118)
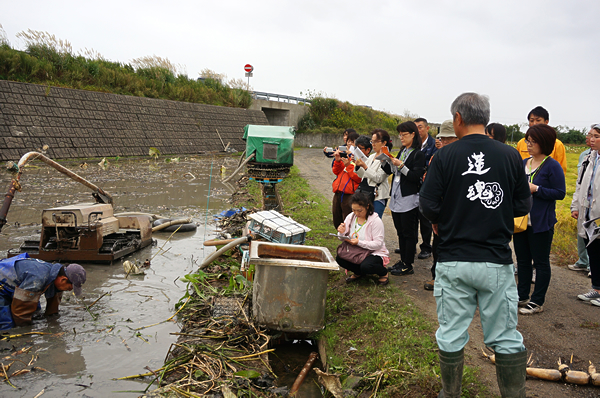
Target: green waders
(451, 367)
(511, 372)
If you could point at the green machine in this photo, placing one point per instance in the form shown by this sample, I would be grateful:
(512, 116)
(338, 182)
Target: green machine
(273, 149)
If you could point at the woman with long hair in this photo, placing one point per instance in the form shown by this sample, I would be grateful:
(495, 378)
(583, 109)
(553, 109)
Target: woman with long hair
(404, 202)
(365, 230)
(374, 173)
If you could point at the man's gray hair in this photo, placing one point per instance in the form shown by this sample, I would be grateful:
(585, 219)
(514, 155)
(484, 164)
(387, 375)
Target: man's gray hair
(473, 108)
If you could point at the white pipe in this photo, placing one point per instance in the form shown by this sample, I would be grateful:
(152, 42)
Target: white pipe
(137, 213)
(228, 246)
(172, 222)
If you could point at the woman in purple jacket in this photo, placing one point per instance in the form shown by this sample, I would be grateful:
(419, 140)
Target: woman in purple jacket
(547, 185)
(365, 229)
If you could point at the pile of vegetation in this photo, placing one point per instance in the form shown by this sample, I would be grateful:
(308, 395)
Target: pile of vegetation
(331, 116)
(51, 61)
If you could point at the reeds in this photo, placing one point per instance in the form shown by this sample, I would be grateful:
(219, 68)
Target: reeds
(51, 61)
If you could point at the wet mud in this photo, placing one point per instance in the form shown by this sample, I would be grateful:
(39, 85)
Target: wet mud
(86, 350)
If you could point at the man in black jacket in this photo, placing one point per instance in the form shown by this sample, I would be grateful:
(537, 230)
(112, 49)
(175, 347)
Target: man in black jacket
(428, 148)
(473, 190)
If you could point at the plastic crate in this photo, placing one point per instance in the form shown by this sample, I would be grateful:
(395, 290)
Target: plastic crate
(277, 228)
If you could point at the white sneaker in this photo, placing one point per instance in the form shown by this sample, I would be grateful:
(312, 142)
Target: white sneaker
(575, 267)
(595, 302)
(531, 308)
(591, 295)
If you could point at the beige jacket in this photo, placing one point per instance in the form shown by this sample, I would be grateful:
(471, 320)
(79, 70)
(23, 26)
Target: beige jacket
(580, 197)
(375, 175)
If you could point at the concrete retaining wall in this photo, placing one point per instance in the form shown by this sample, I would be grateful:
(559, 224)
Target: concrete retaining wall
(77, 123)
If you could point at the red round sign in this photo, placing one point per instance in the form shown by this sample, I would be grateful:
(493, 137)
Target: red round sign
(248, 68)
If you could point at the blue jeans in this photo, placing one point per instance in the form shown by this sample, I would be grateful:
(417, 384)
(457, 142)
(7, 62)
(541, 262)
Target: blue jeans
(459, 287)
(6, 294)
(379, 206)
(583, 260)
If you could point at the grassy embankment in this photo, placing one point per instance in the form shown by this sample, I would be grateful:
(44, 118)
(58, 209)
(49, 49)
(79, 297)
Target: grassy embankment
(395, 346)
(52, 62)
(331, 116)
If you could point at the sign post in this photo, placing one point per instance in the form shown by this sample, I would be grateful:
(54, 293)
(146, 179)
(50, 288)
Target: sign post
(248, 68)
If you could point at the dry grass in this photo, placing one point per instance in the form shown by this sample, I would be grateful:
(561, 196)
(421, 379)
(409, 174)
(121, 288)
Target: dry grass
(36, 38)
(3, 37)
(154, 61)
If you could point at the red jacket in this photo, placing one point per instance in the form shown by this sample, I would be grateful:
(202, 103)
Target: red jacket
(347, 180)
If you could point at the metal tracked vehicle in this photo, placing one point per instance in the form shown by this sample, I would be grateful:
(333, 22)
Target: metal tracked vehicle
(273, 151)
(85, 232)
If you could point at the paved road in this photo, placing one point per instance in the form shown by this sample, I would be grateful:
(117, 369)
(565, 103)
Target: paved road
(567, 326)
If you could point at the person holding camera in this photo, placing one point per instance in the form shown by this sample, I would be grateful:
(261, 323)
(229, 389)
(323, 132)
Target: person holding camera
(372, 171)
(345, 183)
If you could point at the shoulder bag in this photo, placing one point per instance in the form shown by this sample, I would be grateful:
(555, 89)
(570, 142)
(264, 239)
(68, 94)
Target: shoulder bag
(520, 224)
(352, 253)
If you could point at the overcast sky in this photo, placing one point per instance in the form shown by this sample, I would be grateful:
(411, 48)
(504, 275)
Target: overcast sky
(396, 56)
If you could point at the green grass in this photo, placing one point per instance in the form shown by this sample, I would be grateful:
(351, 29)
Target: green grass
(564, 243)
(393, 344)
(331, 116)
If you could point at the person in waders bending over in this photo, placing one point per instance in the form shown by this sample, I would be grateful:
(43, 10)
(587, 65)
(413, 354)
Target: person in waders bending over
(23, 280)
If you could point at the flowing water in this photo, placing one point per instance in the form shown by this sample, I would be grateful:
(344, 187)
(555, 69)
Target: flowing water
(84, 352)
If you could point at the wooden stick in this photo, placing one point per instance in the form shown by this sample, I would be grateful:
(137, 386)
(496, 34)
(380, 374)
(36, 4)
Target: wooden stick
(5, 375)
(140, 375)
(98, 299)
(302, 375)
(40, 393)
(12, 336)
(254, 355)
(222, 143)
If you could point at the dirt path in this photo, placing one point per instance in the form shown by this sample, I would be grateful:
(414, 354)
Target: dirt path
(566, 327)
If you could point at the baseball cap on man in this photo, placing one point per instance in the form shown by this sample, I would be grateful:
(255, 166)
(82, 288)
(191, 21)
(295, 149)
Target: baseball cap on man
(76, 275)
(447, 130)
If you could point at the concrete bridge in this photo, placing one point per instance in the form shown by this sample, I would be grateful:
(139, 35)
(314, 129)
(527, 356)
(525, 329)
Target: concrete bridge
(280, 110)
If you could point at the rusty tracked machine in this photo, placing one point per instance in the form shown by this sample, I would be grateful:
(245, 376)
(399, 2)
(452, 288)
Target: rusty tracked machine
(85, 232)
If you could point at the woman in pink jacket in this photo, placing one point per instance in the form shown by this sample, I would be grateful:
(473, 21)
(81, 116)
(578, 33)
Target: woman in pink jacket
(365, 229)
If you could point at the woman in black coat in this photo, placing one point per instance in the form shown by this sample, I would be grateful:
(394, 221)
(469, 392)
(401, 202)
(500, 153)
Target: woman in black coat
(404, 200)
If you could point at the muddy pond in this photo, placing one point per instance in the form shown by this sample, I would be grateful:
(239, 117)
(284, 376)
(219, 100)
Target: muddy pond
(84, 352)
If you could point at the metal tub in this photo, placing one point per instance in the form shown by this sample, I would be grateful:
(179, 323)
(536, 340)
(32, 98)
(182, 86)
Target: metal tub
(290, 285)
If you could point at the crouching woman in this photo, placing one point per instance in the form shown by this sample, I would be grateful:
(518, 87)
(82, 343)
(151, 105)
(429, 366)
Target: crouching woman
(365, 230)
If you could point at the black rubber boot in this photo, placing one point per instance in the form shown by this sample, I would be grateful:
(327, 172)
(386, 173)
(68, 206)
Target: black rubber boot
(511, 372)
(451, 367)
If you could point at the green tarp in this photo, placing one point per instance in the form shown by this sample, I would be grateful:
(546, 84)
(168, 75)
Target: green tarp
(272, 144)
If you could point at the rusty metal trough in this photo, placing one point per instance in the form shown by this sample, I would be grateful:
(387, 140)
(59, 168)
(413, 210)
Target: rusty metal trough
(290, 285)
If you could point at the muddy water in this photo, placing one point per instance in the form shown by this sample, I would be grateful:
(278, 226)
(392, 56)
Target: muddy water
(83, 355)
